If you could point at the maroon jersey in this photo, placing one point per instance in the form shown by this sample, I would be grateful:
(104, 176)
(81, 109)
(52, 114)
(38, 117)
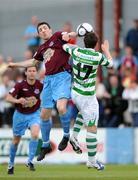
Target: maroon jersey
(53, 55)
(30, 92)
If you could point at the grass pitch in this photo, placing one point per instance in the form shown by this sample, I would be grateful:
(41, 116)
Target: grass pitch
(71, 172)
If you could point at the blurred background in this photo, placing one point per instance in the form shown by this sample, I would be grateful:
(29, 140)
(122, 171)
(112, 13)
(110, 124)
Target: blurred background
(117, 88)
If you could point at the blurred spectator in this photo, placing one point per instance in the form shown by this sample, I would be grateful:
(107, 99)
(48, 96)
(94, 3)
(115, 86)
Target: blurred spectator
(114, 104)
(31, 35)
(128, 69)
(116, 59)
(67, 27)
(132, 38)
(100, 93)
(3, 66)
(28, 54)
(12, 73)
(6, 108)
(9, 59)
(131, 94)
(106, 73)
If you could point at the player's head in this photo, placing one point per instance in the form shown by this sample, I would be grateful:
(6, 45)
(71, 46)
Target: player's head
(31, 72)
(44, 30)
(90, 40)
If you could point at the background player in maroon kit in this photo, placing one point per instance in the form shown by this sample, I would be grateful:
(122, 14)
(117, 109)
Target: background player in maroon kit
(57, 82)
(26, 97)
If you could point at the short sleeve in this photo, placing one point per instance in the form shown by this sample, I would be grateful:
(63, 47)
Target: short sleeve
(15, 90)
(59, 35)
(38, 55)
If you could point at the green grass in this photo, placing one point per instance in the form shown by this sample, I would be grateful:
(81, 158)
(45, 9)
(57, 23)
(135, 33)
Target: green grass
(71, 172)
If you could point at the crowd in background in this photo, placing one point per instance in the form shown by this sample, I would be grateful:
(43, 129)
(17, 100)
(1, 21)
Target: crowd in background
(116, 89)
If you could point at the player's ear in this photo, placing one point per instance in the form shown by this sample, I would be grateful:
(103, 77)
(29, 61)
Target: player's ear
(25, 72)
(50, 30)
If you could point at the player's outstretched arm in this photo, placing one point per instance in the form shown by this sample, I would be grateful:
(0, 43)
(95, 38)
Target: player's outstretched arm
(26, 63)
(67, 36)
(105, 49)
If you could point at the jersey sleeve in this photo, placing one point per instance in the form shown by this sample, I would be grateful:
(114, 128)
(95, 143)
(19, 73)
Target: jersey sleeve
(15, 90)
(38, 55)
(59, 35)
(69, 48)
(106, 62)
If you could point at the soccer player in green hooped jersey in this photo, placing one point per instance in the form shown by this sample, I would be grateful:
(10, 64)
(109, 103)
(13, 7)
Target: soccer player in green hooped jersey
(85, 65)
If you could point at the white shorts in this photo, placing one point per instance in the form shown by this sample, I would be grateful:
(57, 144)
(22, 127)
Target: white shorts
(88, 107)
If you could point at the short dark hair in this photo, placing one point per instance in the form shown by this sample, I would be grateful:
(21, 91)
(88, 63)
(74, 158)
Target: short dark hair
(90, 40)
(41, 23)
(36, 66)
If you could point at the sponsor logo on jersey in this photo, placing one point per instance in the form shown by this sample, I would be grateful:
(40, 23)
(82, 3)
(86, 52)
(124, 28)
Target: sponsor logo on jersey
(24, 89)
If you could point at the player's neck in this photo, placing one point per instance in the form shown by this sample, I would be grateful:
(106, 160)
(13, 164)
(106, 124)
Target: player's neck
(30, 82)
(45, 40)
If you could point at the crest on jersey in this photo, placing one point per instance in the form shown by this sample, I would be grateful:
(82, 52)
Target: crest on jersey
(36, 91)
(51, 43)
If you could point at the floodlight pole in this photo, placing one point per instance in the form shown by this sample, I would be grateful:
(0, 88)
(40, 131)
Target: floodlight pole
(99, 21)
(99, 28)
(117, 22)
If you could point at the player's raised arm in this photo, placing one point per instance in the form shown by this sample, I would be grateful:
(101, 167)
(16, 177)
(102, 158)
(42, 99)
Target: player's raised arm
(26, 63)
(67, 36)
(105, 49)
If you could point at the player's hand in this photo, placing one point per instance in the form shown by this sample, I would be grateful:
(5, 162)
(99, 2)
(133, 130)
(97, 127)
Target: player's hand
(11, 65)
(21, 101)
(105, 46)
(66, 37)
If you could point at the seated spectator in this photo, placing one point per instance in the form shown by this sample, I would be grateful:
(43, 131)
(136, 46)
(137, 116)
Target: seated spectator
(31, 35)
(132, 38)
(28, 54)
(3, 66)
(9, 59)
(131, 94)
(6, 108)
(100, 94)
(116, 60)
(9, 72)
(128, 64)
(67, 27)
(114, 104)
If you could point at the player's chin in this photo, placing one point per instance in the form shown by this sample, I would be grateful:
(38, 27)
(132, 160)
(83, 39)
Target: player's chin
(45, 38)
(32, 78)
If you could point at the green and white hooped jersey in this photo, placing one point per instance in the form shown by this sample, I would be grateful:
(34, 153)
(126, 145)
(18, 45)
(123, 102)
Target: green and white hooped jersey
(85, 66)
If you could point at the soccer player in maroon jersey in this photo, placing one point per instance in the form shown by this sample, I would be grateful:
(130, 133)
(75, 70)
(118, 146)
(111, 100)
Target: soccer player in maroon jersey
(57, 82)
(26, 97)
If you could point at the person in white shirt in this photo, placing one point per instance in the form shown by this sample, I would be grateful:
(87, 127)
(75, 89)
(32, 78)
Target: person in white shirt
(131, 94)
